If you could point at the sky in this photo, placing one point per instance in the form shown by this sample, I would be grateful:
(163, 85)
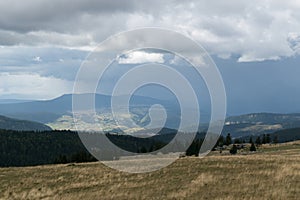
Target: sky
(255, 44)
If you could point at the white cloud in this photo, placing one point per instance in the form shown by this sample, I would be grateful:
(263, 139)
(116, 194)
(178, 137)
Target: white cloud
(196, 60)
(250, 57)
(32, 86)
(294, 41)
(37, 59)
(138, 57)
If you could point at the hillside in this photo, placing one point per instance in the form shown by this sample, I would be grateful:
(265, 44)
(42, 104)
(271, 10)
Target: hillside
(7, 123)
(260, 123)
(48, 111)
(57, 114)
(286, 120)
(288, 134)
(273, 175)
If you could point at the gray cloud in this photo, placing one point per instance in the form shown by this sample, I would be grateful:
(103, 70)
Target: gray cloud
(61, 32)
(255, 30)
(54, 62)
(35, 15)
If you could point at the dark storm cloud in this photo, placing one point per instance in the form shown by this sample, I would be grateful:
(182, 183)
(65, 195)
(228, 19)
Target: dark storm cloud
(32, 15)
(51, 22)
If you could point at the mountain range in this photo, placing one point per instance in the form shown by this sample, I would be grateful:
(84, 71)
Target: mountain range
(46, 111)
(57, 114)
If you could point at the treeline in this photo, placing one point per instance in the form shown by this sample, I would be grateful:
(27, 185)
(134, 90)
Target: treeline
(255, 142)
(259, 139)
(140, 145)
(161, 143)
(224, 142)
(27, 148)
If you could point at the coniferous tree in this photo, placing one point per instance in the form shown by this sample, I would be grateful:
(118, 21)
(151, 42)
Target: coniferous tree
(62, 159)
(275, 139)
(143, 150)
(151, 148)
(250, 140)
(252, 148)
(264, 140)
(194, 148)
(233, 150)
(221, 141)
(258, 141)
(268, 139)
(237, 141)
(228, 139)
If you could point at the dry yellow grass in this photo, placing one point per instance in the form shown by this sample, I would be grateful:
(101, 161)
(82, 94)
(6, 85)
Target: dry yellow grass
(274, 174)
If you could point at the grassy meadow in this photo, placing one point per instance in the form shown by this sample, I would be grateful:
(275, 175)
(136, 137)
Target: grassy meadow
(273, 172)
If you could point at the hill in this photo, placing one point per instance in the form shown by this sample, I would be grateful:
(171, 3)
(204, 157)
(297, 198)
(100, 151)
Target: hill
(7, 123)
(288, 134)
(57, 113)
(266, 175)
(49, 110)
(260, 123)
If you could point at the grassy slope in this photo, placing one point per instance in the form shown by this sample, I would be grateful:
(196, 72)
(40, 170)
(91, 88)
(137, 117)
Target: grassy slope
(272, 173)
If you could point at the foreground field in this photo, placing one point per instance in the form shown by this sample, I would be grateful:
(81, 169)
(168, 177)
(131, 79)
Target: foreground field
(273, 173)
